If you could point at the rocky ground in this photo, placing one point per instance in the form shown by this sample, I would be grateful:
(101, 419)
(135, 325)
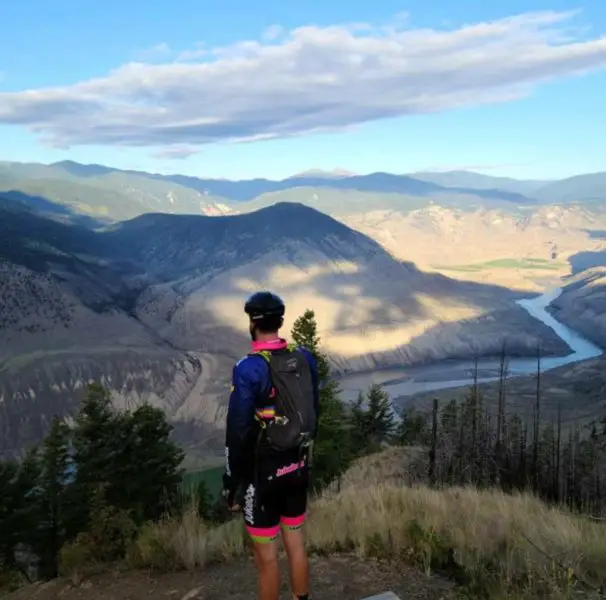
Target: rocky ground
(333, 577)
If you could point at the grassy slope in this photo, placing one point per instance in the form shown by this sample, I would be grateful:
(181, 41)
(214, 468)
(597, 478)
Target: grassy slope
(485, 538)
(507, 546)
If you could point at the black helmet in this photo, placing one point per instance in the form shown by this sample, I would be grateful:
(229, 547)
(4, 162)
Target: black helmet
(264, 304)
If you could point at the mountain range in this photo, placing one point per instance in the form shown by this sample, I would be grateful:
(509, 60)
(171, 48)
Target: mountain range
(113, 194)
(426, 218)
(152, 307)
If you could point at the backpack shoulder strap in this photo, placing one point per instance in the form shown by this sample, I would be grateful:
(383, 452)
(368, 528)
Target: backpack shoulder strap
(265, 354)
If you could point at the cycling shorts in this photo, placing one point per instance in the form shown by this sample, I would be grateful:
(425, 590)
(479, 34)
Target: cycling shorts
(278, 502)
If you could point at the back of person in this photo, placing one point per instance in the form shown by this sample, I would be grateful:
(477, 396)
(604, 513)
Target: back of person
(272, 420)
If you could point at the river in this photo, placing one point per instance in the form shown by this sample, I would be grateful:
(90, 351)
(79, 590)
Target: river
(406, 381)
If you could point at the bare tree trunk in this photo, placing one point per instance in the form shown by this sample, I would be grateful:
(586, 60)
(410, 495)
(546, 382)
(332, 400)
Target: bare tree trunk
(558, 484)
(434, 442)
(537, 428)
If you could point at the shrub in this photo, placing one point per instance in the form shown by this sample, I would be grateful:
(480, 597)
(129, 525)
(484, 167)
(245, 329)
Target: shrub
(110, 533)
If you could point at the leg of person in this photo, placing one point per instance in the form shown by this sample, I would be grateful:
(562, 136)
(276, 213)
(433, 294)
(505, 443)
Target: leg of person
(262, 522)
(293, 509)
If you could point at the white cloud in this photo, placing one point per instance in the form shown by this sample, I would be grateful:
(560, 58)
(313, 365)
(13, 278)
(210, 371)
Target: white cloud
(307, 80)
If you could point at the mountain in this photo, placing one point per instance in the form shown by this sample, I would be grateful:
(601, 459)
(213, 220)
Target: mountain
(379, 183)
(479, 181)
(146, 192)
(586, 189)
(153, 308)
(104, 193)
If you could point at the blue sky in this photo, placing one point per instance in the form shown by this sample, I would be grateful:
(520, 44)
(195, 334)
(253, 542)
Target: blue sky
(438, 116)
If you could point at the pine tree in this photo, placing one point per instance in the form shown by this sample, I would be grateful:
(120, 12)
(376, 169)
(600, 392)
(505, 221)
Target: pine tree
(380, 417)
(152, 469)
(413, 428)
(305, 333)
(358, 418)
(129, 454)
(96, 439)
(332, 450)
(55, 461)
(18, 518)
(9, 500)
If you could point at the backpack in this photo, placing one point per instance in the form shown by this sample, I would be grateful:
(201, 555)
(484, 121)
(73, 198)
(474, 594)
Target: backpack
(294, 423)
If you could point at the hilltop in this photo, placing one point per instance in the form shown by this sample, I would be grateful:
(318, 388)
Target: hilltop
(421, 543)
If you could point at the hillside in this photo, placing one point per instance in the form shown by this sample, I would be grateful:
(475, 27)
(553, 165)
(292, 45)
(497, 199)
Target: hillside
(520, 249)
(582, 304)
(153, 307)
(517, 247)
(105, 193)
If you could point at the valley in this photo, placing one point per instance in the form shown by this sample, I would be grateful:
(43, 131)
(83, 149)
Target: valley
(140, 283)
(447, 375)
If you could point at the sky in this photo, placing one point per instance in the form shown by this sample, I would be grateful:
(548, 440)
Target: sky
(241, 89)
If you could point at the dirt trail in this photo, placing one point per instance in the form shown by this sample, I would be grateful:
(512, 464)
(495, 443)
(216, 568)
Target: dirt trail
(335, 577)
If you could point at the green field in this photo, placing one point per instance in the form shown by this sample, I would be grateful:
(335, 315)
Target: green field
(211, 477)
(541, 264)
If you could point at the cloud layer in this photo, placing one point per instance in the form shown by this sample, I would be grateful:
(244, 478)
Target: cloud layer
(311, 79)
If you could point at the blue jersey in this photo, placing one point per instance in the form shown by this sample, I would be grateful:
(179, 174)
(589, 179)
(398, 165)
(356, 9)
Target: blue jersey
(249, 403)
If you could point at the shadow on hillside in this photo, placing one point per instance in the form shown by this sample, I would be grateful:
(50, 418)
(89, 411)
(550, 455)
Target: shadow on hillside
(587, 260)
(316, 252)
(382, 290)
(49, 208)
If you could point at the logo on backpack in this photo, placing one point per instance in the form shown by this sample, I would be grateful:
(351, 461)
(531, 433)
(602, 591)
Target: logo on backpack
(294, 422)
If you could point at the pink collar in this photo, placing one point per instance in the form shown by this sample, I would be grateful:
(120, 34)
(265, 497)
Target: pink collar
(277, 344)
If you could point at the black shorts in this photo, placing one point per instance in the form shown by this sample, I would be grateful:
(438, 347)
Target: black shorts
(281, 501)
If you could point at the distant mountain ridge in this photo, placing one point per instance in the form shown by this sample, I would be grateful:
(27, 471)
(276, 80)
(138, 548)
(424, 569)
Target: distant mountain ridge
(104, 192)
(472, 180)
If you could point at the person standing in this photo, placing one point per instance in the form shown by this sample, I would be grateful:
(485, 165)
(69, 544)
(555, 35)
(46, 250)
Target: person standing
(271, 423)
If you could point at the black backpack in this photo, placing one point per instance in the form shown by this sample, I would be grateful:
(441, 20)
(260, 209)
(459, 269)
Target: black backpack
(294, 422)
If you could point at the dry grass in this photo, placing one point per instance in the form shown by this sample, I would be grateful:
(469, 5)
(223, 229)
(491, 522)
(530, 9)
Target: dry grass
(186, 543)
(487, 539)
(396, 465)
